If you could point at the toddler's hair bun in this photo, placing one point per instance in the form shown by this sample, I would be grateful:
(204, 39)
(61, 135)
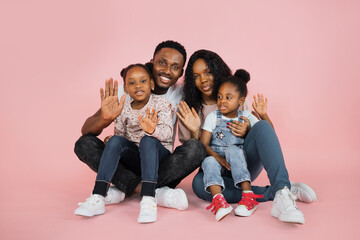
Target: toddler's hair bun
(122, 72)
(243, 74)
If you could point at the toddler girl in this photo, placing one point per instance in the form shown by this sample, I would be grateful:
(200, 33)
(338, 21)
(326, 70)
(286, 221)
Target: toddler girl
(224, 149)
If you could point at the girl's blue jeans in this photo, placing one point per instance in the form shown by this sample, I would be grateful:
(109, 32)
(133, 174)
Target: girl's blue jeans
(263, 150)
(142, 160)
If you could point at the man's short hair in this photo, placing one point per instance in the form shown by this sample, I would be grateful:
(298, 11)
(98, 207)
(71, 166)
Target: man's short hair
(171, 44)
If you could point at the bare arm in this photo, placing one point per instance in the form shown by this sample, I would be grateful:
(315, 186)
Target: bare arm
(110, 109)
(205, 140)
(95, 124)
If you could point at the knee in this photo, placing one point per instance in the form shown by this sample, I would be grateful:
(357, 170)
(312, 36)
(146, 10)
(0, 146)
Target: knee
(209, 163)
(116, 141)
(148, 141)
(261, 126)
(195, 149)
(85, 141)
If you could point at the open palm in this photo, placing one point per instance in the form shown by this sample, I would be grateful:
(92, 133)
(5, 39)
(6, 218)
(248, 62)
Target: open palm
(148, 124)
(189, 118)
(110, 105)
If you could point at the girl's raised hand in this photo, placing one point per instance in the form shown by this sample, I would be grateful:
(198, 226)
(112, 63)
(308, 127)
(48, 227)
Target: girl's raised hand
(260, 104)
(110, 105)
(239, 129)
(188, 117)
(150, 121)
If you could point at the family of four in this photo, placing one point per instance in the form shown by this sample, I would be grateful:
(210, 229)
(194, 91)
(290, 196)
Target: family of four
(217, 129)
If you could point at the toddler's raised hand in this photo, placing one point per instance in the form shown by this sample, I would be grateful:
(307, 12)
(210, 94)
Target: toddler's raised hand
(150, 121)
(260, 104)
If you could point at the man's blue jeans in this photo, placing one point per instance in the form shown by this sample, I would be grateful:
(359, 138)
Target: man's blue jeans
(263, 150)
(144, 159)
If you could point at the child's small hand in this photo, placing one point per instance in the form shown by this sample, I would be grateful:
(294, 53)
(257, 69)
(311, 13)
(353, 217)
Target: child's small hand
(223, 162)
(150, 121)
(260, 104)
(239, 129)
(107, 138)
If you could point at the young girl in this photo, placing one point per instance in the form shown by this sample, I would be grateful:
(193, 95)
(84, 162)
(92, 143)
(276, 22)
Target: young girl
(142, 139)
(224, 149)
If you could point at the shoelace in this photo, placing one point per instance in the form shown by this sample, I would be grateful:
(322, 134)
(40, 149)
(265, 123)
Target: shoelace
(287, 195)
(248, 199)
(217, 203)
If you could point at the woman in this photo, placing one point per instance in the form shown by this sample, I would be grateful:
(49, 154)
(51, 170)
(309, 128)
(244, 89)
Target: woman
(203, 74)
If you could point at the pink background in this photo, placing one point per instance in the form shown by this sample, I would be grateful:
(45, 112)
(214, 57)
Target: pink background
(303, 55)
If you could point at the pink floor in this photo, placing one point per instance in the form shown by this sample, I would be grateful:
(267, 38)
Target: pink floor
(43, 209)
(55, 55)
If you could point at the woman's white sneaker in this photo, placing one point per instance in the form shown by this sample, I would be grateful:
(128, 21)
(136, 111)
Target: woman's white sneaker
(303, 192)
(148, 210)
(94, 205)
(284, 207)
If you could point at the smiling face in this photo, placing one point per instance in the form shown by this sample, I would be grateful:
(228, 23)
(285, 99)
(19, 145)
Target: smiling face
(168, 66)
(138, 85)
(204, 79)
(229, 100)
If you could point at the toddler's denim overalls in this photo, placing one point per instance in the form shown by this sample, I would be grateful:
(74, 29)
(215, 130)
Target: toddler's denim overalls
(229, 146)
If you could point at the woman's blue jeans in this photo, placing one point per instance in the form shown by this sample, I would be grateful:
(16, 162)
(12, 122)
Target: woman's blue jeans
(263, 150)
(142, 160)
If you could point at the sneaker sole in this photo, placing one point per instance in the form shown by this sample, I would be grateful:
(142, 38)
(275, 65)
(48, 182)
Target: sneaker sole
(248, 214)
(287, 218)
(88, 214)
(146, 220)
(309, 191)
(225, 214)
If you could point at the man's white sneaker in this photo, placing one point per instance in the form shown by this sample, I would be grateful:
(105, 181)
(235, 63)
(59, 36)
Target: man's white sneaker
(220, 207)
(284, 207)
(148, 210)
(171, 198)
(114, 196)
(94, 205)
(303, 192)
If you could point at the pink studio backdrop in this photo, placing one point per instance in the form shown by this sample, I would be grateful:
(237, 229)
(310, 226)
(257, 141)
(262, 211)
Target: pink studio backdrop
(55, 55)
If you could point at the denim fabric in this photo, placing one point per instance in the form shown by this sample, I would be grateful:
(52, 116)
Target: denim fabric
(152, 152)
(184, 160)
(118, 149)
(229, 146)
(89, 149)
(263, 150)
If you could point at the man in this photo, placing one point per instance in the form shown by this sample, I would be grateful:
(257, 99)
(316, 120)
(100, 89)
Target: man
(167, 67)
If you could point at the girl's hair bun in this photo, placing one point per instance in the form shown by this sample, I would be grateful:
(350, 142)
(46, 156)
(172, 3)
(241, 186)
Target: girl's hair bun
(123, 72)
(243, 74)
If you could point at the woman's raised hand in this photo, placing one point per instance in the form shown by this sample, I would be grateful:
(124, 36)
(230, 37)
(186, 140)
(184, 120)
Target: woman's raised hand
(239, 129)
(110, 105)
(260, 104)
(150, 121)
(188, 117)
